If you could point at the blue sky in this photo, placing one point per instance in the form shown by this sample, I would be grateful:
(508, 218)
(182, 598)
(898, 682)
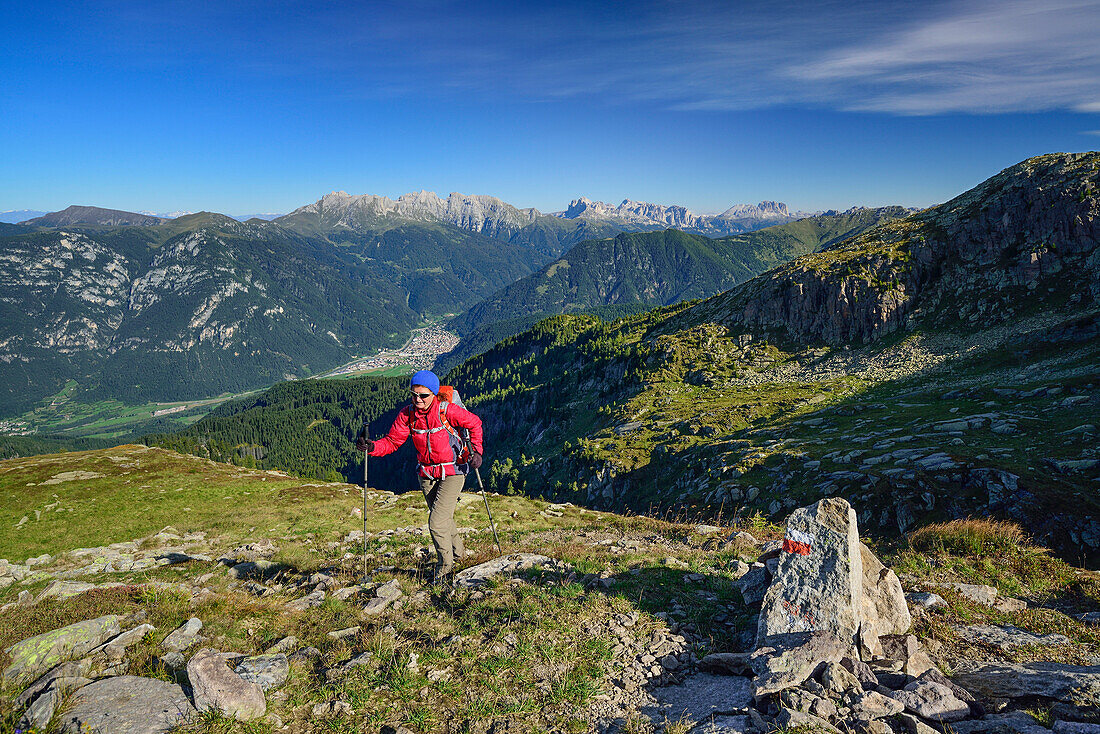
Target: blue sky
(246, 107)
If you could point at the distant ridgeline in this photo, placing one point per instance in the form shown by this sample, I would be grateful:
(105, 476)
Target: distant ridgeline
(15, 446)
(307, 428)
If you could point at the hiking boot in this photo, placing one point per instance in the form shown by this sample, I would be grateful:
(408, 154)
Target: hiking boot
(443, 578)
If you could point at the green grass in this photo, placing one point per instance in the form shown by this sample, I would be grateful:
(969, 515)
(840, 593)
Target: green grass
(533, 649)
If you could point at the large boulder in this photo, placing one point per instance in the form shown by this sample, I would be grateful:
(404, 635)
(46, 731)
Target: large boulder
(931, 701)
(818, 586)
(789, 659)
(215, 686)
(1074, 684)
(35, 655)
(883, 610)
(126, 705)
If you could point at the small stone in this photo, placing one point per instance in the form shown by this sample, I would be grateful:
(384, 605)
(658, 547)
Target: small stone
(313, 599)
(837, 680)
(183, 636)
(286, 645)
(332, 709)
(932, 701)
(925, 600)
(480, 574)
(754, 584)
(266, 671)
(906, 649)
(874, 705)
(344, 634)
(913, 725)
(789, 719)
(173, 660)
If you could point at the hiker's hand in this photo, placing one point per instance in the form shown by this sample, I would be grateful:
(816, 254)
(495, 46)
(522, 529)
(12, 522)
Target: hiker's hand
(364, 444)
(475, 460)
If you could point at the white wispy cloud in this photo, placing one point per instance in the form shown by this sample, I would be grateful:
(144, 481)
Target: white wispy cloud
(977, 57)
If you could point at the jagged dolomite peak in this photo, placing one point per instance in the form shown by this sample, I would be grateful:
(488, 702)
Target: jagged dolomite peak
(475, 213)
(737, 218)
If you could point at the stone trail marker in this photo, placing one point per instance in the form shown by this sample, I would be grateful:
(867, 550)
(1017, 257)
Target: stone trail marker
(818, 586)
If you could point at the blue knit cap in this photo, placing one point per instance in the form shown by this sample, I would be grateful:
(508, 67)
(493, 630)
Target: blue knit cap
(426, 378)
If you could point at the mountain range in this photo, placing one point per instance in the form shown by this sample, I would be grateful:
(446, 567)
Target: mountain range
(139, 307)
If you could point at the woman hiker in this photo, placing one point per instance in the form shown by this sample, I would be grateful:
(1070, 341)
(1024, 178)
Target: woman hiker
(437, 449)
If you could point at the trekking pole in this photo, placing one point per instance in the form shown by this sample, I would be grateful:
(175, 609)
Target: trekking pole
(481, 485)
(366, 455)
(492, 524)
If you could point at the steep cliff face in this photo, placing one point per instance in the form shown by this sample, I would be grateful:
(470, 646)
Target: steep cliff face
(44, 279)
(1032, 229)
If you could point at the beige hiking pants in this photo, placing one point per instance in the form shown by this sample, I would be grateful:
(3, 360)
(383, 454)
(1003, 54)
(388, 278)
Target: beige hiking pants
(442, 497)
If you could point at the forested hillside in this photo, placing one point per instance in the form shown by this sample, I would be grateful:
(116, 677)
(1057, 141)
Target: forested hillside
(307, 428)
(651, 268)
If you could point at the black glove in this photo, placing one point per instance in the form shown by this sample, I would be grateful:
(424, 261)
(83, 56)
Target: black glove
(475, 459)
(364, 444)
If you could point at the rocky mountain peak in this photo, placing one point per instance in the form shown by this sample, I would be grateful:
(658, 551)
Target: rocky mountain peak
(763, 210)
(978, 259)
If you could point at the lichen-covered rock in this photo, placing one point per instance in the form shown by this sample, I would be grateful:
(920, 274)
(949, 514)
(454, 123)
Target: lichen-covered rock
(183, 637)
(126, 705)
(33, 656)
(819, 583)
(266, 671)
(217, 687)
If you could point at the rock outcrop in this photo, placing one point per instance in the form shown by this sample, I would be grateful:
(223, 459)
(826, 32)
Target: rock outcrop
(1031, 223)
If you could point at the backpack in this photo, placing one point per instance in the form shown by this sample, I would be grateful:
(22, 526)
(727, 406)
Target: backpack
(459, 444)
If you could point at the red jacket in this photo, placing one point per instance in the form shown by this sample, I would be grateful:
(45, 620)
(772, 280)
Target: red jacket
(433, 450)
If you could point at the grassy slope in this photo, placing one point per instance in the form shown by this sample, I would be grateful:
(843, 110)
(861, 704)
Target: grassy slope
(537, 652)
(558, 652)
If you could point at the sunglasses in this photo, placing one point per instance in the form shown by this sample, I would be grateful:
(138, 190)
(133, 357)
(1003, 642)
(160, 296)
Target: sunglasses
(421, 395)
